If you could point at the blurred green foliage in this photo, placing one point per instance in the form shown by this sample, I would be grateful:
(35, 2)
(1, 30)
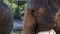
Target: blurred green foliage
(17, 11)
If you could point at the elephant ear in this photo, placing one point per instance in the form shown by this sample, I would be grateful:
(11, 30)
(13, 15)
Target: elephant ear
(6, 24)
(57, 19)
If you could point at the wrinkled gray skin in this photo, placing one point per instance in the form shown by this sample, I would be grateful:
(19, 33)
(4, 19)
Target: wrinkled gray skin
(36, 20)
(6, 23)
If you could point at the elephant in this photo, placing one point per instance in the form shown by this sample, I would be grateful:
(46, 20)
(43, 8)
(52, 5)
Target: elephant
(41, 15)
(6, 19)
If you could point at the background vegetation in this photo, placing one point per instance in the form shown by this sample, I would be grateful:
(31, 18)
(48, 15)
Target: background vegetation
(17, 11)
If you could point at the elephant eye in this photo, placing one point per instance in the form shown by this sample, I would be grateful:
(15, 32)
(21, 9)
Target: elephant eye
(32, 12)
(59, 14)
